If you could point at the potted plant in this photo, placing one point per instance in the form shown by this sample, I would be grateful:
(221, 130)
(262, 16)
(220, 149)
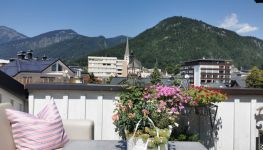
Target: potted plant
(147, 113)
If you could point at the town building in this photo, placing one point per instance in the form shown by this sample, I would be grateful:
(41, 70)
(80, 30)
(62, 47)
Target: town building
(105, 67)
(25, 69)
(207, 71)
(3, 62)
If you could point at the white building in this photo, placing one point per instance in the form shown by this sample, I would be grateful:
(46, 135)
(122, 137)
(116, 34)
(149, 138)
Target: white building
(104, 67)
(207, 71)
(3, 62)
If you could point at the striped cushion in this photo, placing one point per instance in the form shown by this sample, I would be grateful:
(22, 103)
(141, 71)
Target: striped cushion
(42, 132)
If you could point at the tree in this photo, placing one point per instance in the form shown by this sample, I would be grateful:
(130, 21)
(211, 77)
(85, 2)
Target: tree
(108, 80)
(93, 79)
(155, 76)
(255, 78)
(173, 69)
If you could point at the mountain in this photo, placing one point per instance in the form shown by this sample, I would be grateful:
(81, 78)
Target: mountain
(9, 49)
(8, 34)
(77, 47)
(178, 39)
(64, 44)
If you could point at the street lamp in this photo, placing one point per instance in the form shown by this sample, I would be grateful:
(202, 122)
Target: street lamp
(186, 76)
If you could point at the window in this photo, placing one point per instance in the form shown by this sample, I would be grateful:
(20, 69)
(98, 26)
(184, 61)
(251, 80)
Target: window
(221, 71)
(26, 80)
(48, 79)
(54, 67)
(59, 67)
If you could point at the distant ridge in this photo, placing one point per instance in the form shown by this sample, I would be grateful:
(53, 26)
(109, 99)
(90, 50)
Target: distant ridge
(8, 34)
(66, 44)
(178, 39)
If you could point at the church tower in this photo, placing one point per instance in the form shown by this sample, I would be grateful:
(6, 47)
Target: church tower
(127, 52)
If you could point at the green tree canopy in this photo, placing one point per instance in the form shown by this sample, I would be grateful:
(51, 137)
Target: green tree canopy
(156, 75)
(255, 78)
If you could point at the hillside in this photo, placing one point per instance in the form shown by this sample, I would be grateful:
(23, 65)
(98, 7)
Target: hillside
(179, 39)
(8, 35)
(65, 44)
(75, 48)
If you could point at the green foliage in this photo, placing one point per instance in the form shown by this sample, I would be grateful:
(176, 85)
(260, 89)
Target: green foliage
(155, 76)
(178, 39)
(204, 96)
(173, 69)
(109, 79)
(75, 51)
(193, 137)
(182, 137)
(255, 78)
(128, 110)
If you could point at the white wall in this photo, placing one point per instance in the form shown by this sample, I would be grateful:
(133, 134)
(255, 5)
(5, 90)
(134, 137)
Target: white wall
(238, 129)
(96, 106)
(197, 75)
(7, 97)
(235, 121)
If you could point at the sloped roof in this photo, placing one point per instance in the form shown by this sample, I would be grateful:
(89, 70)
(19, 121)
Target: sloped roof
(137, 64)
(11, 85)
(241, 82)
(19, 65)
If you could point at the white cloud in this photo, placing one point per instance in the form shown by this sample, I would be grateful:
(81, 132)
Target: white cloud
(231, 22)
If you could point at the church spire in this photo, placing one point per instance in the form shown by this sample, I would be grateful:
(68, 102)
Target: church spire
(127, 52)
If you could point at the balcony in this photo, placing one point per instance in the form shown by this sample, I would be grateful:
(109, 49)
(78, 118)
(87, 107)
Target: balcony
(234, 123)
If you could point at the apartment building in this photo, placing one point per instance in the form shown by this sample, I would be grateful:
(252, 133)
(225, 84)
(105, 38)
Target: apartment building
(207, 71)
(104, 67)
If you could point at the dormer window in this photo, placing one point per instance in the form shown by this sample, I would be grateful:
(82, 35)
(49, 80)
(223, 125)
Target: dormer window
(59, 67)
(56, 67)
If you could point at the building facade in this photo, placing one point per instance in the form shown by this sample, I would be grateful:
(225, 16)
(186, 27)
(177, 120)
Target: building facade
(207, 71)
(3, 62)
(104, 67)
(28, 70)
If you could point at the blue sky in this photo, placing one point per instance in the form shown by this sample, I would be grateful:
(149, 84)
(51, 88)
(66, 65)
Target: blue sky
(126, 17)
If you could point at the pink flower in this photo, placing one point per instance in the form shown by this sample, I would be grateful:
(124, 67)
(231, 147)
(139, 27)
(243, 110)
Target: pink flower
(115, 117)
(145, 112)
(181, 107)
(147, 96)
(174, 109)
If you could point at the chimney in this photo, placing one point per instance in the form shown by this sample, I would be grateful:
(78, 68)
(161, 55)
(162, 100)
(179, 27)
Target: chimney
(21, 55)
(29, 54)
(44, 58)
(12, 59)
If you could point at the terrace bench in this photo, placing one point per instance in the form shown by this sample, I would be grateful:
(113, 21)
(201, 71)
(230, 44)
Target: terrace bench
(75, 129)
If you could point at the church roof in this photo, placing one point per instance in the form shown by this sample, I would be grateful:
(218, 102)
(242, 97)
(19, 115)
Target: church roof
(127, 50)
(135, 63)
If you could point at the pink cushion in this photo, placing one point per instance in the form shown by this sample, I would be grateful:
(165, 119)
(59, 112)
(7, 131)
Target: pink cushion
(43, 132)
